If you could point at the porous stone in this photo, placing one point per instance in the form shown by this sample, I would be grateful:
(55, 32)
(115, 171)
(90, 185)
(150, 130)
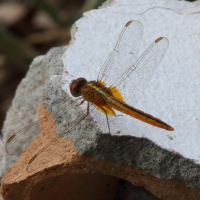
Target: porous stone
(23, 110)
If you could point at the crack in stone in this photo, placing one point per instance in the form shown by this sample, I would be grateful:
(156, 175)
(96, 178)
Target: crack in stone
(159, 7)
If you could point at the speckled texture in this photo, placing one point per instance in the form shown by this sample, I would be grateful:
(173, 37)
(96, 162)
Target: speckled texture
(23, 110)
(141, 161)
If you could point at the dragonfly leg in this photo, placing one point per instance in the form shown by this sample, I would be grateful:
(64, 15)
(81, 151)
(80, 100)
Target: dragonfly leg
(81, 120)
(106, 118)
(78, 104)
(82, 101)
(88, 108)
(79, 98)
(86, 113)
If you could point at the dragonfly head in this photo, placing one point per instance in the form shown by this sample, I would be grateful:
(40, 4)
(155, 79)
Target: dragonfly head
(75, 86)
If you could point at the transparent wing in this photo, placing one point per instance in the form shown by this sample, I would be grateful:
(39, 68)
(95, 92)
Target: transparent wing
(75, 125)
(17, 143)
(50, 151)
(134, 81)
(124, 54)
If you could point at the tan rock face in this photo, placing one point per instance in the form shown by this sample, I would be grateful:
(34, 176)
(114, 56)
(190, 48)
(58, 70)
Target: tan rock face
(60, 172)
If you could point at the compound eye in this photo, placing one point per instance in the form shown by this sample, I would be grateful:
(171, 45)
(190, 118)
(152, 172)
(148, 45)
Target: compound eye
(75, 86)
(71, 83)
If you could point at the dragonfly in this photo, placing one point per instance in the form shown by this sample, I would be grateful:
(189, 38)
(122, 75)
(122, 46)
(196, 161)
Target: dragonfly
(120, 84)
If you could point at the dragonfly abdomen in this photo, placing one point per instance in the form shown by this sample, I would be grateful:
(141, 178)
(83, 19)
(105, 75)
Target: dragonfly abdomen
(138, 114)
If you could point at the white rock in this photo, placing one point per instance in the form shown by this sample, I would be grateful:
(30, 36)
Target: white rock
(173, 94)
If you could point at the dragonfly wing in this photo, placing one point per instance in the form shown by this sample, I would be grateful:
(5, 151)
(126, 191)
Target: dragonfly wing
(47, 155)
(135, 80)
(17, 143)
(124, 54)
(75, 125)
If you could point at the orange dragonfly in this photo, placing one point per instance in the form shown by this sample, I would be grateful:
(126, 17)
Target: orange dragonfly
(120, 84)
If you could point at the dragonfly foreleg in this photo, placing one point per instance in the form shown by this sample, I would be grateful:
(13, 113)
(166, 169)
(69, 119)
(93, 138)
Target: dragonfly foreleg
(86, 113)
(106, 118)
(78, 104)
(82, 101)
(78, 98)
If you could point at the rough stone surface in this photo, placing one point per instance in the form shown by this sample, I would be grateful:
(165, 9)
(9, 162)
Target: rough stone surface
(1, 161)
(23, 110)
(85, 152)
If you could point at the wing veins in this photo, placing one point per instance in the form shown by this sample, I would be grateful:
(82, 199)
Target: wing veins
(68, 129)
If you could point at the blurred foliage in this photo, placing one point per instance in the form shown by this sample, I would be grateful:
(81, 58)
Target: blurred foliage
(29, 28)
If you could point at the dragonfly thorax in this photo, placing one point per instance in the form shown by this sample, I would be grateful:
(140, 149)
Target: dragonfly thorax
(95, 91)
(75, 86)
